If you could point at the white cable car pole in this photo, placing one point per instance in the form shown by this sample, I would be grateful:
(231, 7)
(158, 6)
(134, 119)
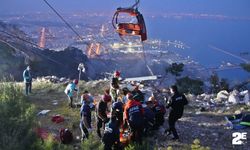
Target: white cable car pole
(81, 69)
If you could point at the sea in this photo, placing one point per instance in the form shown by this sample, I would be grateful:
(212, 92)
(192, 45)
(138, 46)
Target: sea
(212, 42)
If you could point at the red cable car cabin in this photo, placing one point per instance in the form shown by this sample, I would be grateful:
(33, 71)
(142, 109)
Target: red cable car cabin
(131, 29)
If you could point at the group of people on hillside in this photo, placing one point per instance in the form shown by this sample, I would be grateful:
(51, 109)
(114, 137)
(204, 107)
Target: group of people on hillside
(115, 114)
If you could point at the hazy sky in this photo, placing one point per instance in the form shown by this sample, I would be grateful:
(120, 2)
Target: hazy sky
(225, 7)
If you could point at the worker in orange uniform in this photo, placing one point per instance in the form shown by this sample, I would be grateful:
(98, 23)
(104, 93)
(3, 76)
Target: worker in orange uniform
(134, 117)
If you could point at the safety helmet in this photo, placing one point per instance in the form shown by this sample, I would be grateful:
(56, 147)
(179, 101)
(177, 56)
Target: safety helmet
(151, 99)
(117, 74)
(106, 98)
(75, 81)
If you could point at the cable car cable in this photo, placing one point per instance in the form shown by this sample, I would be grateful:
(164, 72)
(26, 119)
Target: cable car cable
(37, 46)
(61, 17)
(69, 26)
(145, 60)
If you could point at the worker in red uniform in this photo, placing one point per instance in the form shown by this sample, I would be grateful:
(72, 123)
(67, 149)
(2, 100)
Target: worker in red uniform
(133, 116)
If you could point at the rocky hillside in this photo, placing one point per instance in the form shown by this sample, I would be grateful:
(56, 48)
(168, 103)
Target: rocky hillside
(15, 59)
(207, 124)
(17, 54)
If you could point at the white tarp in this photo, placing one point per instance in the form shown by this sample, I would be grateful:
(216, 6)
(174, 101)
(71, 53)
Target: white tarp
(43, 112)
(234, 97)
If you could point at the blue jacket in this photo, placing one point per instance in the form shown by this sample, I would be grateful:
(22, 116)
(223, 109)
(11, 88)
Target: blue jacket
(111, 132)
(86, 112)
(71, 87)
(27, 76)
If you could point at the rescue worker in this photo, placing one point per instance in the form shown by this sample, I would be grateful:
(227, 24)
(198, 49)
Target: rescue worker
(85, 123)
(149, 117)
(114, 86)
(159, 111)
(125, 91)
(177, 103)
(27, 80)
(133, 116)
(69, 91)
(117, 111)
(138, 95)
(111, 136)
(101, 112)
(87, 96)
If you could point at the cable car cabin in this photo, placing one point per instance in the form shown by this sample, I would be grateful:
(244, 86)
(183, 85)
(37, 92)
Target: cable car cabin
(130, 29)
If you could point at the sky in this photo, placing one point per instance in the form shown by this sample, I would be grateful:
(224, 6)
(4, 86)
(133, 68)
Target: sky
(224, 7)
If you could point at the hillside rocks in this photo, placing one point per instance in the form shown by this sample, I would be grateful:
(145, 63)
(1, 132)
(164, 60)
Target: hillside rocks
(224, 101)
(52, 79)
(222, 96)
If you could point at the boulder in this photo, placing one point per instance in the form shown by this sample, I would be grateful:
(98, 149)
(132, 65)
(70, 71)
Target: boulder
(246, 98)
(222, 96)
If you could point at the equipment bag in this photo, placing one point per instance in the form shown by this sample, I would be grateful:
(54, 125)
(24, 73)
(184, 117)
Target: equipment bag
(66, 136)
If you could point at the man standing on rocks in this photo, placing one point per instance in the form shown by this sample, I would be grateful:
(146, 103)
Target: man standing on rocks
(69, 91)
(176, 103)
(27, 80)
(85, 123)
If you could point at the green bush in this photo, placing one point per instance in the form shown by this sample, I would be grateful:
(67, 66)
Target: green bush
(16, 117)
(188, 85)
(245, 66)
(175, 69)
(50, 144)
(143, 146)
(218, 84)
(197, 145)
(92, 144)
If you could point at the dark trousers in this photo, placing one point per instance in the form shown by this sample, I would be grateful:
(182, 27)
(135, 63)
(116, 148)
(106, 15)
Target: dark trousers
(171, 121)
(115, 146)
(136, 133)
(28, 88)
(84, 130)
(70, 101)
(159, 120)
(119, 116)
(100, 124)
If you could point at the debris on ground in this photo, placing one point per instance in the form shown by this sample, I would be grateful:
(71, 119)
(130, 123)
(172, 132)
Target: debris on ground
(57, 119)
(43, 112)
